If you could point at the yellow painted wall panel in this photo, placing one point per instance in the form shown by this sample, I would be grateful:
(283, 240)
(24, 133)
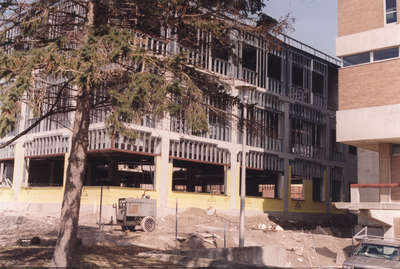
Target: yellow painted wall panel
(264, 204)
(200, 200)
(41, 195)
(308, 205)
(6, 194)
(91, 194)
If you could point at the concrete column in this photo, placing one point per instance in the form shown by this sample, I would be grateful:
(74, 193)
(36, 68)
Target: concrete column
(234, 181)
(163, 177)
(20, 174)
(2, 171)
(286, 187)
(384, 171)
(281, 188)
(286, 149)
(327, 198)
(355, 195)
(20, 167)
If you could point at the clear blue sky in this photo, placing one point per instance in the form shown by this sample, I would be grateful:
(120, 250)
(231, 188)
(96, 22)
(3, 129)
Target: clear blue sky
(315, 21)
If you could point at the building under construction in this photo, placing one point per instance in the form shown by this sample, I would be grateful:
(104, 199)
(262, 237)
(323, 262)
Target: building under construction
(293, 163)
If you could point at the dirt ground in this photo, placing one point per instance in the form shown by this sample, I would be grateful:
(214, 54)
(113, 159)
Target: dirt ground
(112, 247)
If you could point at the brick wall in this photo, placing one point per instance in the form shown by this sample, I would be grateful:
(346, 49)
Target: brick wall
(359, 15)
(296, 192)
(368, 85)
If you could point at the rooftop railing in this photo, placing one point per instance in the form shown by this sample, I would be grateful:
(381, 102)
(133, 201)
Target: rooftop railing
(304, 47)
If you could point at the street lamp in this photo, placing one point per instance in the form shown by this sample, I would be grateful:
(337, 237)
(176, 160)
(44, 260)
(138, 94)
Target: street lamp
(245, 91)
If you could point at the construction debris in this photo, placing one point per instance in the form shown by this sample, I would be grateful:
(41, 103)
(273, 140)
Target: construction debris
(196, 230)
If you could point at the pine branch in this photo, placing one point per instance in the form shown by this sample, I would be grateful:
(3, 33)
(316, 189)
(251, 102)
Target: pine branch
(49, 113)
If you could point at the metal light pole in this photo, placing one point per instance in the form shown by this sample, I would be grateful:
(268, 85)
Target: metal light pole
(243, 174)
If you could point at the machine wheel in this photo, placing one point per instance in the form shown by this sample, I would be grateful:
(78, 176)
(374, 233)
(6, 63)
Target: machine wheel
(131, 228)
(148, 224)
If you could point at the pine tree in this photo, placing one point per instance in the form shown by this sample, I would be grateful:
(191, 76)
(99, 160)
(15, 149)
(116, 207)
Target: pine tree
(81, 48)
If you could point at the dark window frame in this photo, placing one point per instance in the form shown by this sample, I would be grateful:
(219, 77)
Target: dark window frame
(274, 67)
(390, 11)
(356, 59)
(317, 188)
(353, 150)
(385, 54)
(249, 57)
(297, 75)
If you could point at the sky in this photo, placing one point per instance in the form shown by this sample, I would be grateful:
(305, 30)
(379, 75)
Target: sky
(315, 21)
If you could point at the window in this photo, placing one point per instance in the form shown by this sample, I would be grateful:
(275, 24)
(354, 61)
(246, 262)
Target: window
(365, 57)
(297, 189)
(378, 251)
(219, 49)
(317, 83)
(395, 148)
(317, 189)
(352, 150)
(249, 57)
(391, 11)
(134, 171)
(297, 75)
(6, 174)
(336, 187)
(46, 172)
(197, 177)
(262, 183)
(274, 67)
(361, 58)
(386, 54)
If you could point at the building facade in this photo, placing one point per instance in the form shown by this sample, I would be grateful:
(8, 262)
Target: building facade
(293, 163)
(368, 42)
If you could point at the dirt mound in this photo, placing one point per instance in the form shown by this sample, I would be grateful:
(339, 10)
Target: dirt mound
(193, 212)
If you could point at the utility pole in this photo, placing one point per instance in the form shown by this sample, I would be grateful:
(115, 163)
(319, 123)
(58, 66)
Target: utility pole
(243, 171)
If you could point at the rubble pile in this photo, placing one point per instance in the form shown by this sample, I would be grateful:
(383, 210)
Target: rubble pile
(197, 229)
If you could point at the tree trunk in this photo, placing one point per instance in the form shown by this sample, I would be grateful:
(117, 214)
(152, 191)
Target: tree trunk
(68, 229)
(97, 15)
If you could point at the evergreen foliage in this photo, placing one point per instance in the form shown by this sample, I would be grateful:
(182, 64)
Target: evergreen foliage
(50, 38)
(53, 50)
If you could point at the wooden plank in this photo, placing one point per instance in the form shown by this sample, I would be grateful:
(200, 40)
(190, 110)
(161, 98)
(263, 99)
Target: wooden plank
(377, 186)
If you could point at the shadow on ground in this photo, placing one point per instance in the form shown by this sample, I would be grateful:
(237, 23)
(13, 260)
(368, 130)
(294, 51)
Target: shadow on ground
(86, 257)
(102, 257)
(18, 256)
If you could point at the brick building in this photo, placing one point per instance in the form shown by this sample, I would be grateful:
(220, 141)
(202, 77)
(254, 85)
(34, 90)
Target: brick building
(369, 106)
